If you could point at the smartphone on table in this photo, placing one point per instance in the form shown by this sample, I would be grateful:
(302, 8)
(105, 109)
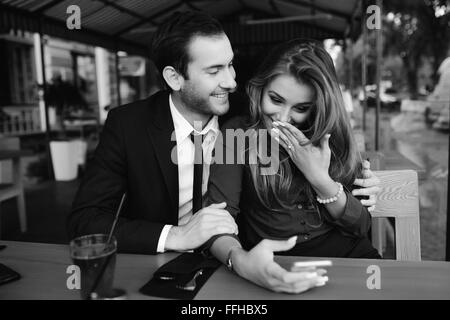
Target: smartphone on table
(7, 274)
(310, 265)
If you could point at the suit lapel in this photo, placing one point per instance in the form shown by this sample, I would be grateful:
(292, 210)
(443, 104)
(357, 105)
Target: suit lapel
(160, 130)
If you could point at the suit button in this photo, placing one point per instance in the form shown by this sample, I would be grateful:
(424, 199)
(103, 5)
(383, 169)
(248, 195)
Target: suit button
(306, 237)
(300, 206)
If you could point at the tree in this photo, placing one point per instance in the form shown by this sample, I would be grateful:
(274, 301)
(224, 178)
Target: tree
(416, 31)
(411, 31)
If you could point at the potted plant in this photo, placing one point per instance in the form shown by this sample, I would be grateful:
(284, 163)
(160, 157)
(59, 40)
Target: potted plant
(65, 98)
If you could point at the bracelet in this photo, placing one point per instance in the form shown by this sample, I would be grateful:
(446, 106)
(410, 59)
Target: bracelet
(332, 199)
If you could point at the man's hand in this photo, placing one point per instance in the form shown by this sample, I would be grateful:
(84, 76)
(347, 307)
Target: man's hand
(370, 186)
(259, 267)
(204, 224)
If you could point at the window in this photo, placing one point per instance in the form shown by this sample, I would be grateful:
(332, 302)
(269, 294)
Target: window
(23, 89)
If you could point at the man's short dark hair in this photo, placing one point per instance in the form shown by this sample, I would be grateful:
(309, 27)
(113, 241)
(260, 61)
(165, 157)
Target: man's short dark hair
(171, 40)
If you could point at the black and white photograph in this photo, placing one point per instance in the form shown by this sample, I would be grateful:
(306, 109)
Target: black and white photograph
(224, 158)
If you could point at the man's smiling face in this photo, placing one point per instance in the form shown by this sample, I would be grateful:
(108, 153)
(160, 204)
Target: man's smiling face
(210, 75)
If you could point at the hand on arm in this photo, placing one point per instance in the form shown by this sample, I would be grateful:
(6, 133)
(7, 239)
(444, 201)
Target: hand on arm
(259, 267)
(203, 225)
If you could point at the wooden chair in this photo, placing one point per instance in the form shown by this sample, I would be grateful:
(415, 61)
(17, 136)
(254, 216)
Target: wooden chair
(399, 199)
(12, 187)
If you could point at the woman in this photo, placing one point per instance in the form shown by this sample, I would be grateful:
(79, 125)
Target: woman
(296, 97)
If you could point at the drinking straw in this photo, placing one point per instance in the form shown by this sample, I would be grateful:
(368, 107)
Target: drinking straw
(106, 261)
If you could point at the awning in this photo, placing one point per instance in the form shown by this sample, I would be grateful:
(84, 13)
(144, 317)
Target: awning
(127, 25)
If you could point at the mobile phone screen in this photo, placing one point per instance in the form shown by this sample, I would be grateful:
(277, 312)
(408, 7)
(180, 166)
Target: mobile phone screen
(318, 263)
(306, 265)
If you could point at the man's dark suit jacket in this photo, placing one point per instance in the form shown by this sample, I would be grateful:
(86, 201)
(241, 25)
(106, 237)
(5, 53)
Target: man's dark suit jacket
(133, 155)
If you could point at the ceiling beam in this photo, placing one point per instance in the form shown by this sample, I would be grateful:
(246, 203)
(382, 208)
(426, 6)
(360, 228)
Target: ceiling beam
(122, 9)
(149, 19)
(190, 5)
(334, 33)
(30, 21)
(290, 19)
(314, 6)
(47, 6)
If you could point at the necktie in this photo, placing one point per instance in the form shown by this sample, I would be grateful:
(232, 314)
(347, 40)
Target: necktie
(197, 197)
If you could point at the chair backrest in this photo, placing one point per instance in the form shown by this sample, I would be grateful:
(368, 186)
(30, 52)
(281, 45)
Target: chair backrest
(399, 199)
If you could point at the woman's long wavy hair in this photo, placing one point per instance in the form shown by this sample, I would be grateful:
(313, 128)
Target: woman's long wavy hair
(310, 64)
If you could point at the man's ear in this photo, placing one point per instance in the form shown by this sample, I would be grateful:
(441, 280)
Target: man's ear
(173, 79)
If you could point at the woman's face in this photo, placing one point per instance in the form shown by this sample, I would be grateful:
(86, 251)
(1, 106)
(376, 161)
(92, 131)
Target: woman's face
(286, 99)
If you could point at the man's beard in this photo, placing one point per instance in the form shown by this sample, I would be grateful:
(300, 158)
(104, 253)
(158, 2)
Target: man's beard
(194, 102)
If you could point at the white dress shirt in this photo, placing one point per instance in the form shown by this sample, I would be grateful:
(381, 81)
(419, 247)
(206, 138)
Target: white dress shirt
(186, 153)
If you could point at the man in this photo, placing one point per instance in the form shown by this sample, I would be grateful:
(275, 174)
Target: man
(134, 155)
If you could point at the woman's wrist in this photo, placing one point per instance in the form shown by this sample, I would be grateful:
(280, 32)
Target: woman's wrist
(333, 198)
(326, 188)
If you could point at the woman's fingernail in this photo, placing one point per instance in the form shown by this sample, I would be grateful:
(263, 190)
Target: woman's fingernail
(321, 281)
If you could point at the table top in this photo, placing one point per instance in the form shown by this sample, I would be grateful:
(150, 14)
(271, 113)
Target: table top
(43, 269)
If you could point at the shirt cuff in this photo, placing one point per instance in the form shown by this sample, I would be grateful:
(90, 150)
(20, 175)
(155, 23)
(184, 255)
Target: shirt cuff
(352, 210)
(356, 219)
(162, 238)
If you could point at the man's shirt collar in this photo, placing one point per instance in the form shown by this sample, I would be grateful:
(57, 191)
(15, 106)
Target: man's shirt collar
(183, 128)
